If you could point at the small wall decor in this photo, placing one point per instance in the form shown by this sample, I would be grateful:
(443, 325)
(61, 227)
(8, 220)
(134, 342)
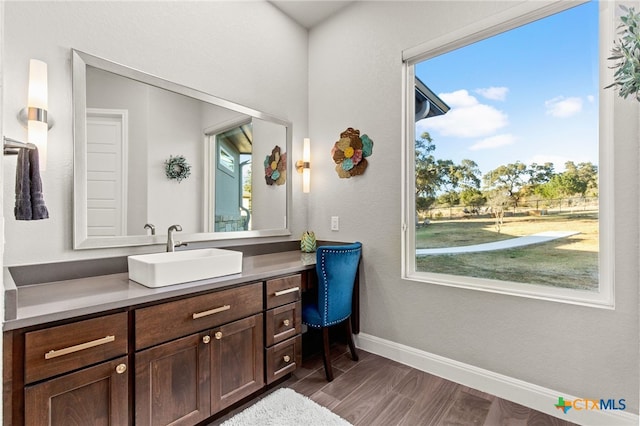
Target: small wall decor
(275, 167)
(177, 168)
(308, 242)
(350, 153)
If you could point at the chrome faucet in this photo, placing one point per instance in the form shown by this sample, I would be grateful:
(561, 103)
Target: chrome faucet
(171, 245)
(151, 227)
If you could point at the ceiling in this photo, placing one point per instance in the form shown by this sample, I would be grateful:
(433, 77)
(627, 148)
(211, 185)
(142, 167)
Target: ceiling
(309, 13)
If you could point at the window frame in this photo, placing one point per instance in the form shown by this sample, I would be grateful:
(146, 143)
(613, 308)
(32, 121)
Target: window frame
(514, 17)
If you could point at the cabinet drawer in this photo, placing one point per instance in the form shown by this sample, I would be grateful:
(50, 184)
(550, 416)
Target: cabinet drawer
(281, 291)
(282, 323)
(283, 358)
(56, 350)
(168, 321)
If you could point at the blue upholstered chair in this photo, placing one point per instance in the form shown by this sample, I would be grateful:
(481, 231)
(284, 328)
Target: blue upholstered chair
(336, 267)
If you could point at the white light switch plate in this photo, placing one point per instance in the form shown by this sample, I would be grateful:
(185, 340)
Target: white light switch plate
(335, 223)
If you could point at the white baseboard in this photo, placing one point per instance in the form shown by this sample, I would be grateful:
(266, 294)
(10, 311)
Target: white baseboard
(521, 392)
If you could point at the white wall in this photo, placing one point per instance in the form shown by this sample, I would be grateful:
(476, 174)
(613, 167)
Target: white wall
(355, 80)
(268, 202)
(2, 244)
(246, 52)
(175, 128)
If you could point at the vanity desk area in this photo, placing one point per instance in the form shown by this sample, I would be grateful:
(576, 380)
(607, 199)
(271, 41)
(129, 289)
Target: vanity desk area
(85, 344)
(105, 347)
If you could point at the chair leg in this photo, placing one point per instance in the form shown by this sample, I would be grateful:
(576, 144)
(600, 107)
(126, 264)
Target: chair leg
(352, 346)
(326, 354)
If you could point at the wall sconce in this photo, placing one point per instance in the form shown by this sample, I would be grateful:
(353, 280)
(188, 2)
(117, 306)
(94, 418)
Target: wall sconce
(34, 116)
(303, 165)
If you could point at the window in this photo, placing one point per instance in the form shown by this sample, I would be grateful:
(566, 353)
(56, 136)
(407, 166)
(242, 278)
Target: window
(506, 183)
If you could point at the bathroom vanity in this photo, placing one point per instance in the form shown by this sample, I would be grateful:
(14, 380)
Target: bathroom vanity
(104, 349)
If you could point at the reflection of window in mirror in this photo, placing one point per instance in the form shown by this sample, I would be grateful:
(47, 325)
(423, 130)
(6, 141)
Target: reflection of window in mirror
(231, 180)
(226, 161)
(506, 181)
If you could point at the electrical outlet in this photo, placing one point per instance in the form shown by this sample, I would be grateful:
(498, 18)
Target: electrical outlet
(335, 223)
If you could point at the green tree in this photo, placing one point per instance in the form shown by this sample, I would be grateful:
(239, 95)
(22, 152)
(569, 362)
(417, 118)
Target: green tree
(581, 179)
(539, 175)
(509, 178)
(472, 197)
(427, 176)
(449, 198)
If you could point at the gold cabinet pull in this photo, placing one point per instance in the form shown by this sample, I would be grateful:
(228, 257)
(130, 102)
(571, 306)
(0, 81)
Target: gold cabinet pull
(211, 311)
(206, 339)
(286, 323)
(218, 335)
(121, 368)
(71, 349)
(287, 291)
(286, 358)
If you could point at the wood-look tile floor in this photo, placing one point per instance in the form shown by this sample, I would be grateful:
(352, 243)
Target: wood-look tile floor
(378, 391)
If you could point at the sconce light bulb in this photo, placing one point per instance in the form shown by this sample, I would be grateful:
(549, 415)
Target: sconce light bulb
(306, 159)
(37, 135)
(306, 150)
(37, 105)
(306, 180)
(38, 92)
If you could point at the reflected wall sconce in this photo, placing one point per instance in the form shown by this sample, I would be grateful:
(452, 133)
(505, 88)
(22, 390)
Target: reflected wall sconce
(34, 117)
(303, 165)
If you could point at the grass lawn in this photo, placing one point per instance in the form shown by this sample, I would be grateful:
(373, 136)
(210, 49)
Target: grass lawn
(567, 262)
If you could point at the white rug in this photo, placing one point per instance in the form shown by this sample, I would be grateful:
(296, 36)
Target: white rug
(286, 407)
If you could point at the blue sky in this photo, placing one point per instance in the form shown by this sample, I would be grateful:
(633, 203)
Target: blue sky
(530, 94)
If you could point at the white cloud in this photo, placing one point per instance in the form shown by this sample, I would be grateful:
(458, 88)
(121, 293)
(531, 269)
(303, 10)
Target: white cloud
(562, 107)
(459, 99)
(494, 93)
(467, 117)
(493, 142)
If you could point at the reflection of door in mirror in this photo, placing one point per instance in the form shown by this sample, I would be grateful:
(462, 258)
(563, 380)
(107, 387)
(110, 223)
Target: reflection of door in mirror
(107, 141)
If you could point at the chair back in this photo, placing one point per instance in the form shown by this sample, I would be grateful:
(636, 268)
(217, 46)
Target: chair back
(336, 267)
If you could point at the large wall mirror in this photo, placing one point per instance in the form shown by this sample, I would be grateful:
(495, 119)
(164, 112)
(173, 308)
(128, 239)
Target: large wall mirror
(136, 135)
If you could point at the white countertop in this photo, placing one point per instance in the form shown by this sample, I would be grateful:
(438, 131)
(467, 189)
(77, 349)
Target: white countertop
(53, 301)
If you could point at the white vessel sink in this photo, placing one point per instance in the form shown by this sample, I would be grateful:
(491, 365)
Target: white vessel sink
(162, 269)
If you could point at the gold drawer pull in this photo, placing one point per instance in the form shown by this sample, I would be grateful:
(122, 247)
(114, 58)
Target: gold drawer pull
(287, 291)
(211, 311)
(71, 349)
(218, 335)
(286, 323)
(206, 339)
(287, 358)
(121, 368)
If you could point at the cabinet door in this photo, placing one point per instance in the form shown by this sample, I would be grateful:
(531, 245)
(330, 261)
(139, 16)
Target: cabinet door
(93, 396)
(237, 361)
(172, 382)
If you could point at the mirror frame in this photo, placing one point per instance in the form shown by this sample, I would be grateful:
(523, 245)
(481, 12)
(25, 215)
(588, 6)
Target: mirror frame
(81, 240)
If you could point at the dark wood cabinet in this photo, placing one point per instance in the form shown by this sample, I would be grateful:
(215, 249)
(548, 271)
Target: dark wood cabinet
(172, 382)
(184, 381)
(95, 395)
(236, 361)
(283, 326)
(77, 373)
(184, 360)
